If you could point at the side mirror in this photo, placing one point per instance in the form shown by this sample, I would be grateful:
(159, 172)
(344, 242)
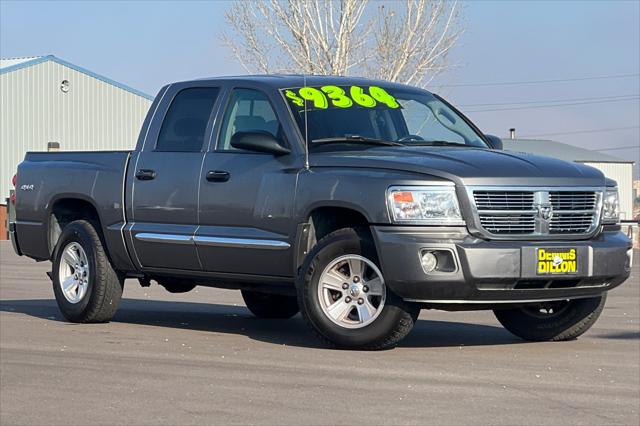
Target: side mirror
(258, 141)
(494, 142)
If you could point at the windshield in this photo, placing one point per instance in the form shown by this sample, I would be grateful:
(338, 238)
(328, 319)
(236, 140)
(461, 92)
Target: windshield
(368, 114)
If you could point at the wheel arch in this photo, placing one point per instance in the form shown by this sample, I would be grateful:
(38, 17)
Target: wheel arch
(65, 208)
(321, 220)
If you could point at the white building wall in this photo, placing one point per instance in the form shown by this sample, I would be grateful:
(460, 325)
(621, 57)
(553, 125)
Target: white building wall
(92, 115)
(623, 174)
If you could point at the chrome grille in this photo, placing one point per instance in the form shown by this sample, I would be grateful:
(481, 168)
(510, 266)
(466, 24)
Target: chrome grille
(575, 211)
(536, 212)
(501, 200)
(571, 223)
(508, 224)
(573, 200)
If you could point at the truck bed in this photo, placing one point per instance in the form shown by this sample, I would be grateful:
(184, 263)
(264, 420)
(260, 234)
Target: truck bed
(47, 178)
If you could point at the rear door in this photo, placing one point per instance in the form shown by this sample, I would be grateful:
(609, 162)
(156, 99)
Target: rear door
(246, 198)
(165, 186)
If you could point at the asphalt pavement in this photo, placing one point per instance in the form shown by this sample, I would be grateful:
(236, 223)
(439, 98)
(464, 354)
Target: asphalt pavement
(201, 357)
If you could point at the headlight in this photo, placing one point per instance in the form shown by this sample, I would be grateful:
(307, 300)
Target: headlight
(611, 206)
(428, 205)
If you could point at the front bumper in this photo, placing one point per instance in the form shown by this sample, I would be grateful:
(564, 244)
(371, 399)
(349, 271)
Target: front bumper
(495, 272)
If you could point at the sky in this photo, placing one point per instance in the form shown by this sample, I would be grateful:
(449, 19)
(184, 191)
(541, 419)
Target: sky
(146, 44)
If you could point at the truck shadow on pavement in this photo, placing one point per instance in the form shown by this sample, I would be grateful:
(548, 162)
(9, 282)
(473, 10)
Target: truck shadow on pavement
(230, 319)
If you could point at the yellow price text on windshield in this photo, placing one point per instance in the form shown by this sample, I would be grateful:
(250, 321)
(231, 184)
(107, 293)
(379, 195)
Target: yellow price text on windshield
(381, 95)
(294, 98)
(315, 96)
(335, 96)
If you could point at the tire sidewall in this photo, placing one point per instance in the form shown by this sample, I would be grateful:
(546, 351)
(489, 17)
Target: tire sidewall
(576, 314)
(270, 306)
(74, 232)
(325, 252)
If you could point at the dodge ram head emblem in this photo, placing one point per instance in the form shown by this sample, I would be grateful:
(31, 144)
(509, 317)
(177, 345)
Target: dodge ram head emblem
(545, 211)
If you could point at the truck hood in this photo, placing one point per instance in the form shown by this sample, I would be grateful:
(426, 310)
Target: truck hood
(467, 166)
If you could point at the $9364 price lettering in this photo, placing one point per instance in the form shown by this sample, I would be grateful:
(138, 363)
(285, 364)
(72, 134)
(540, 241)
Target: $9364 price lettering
(335, 96)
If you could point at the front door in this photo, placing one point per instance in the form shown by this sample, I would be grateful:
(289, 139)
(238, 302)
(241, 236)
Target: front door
(165, 187)
(246, 198)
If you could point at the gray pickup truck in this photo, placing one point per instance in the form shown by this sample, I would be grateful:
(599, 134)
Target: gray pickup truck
(355, 202)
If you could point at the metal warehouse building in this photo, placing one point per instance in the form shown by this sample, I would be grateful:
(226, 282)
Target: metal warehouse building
(615, 168)
(47, 100)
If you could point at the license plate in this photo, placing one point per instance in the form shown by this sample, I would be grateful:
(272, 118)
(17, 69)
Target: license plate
(557, 261)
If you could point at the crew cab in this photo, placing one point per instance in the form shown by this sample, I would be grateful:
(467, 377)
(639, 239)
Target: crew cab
(355, 202)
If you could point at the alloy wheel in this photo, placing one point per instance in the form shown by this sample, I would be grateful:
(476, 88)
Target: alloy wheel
(351, 291)
(73, 273)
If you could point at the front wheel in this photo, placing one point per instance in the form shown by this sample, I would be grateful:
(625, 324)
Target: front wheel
(274, 306)
(343, 295)
(86, 286)
(552, 321)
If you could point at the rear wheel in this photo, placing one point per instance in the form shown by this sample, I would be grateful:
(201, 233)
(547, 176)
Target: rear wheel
(343, 295)
(264, 305)
(556, 321)
(86, 287)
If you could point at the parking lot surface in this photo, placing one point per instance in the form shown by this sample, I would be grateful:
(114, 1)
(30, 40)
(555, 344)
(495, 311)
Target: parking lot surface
(201, 357)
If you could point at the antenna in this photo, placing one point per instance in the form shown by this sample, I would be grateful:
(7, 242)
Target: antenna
(306, 129)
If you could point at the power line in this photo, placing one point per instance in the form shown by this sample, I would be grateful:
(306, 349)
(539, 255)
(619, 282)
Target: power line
(550, 101)
(559, 80)
(609, 129)
(555, 105)
(618, 147)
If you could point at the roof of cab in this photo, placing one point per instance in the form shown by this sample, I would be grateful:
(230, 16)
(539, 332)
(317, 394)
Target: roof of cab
(281, 81)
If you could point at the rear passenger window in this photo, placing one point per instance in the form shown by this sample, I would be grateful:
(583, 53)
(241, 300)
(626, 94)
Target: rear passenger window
(186, 120)
(248, 111)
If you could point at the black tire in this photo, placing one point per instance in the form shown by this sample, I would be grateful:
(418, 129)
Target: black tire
(176, 285)
(104, 287)
(395, 320)
(571, 319)
(273, 306)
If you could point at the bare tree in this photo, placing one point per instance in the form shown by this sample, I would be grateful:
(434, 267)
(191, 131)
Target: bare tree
(412, 44)
(406, 41)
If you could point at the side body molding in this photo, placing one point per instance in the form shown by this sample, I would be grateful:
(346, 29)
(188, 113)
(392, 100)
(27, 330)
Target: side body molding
(214, 241)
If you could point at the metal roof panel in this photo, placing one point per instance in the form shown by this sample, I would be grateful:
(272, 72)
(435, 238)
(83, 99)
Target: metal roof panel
(18, 63)
(10, 62)
(559, 150)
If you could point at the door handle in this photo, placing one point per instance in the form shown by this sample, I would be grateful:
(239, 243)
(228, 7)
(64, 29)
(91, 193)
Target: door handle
(218, 176)
(146, 174)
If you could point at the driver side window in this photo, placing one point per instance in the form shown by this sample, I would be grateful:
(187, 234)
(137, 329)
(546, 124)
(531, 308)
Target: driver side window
(248, 111)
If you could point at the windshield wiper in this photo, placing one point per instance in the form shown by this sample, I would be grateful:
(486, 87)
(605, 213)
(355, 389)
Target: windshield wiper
(437, 143)
(356, 138)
